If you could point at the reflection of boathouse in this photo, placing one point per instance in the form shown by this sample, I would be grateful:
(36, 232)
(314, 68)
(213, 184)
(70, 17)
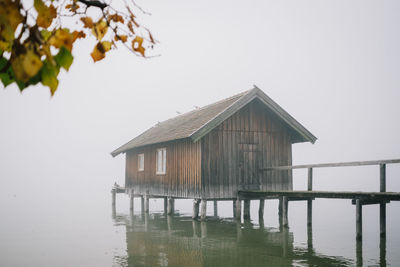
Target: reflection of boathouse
(215, 151)
(154, 240)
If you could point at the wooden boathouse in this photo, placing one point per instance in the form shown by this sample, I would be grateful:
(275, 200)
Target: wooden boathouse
(213, 152)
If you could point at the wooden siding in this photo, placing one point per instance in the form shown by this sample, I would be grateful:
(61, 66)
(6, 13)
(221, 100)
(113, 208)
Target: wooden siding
(183, 170)
(233, 153)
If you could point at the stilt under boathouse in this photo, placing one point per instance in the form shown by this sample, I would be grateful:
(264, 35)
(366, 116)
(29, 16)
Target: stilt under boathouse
(213, 153)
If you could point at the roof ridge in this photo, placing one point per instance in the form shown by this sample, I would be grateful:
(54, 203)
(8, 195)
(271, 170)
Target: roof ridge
(240, 94)
(201, 108)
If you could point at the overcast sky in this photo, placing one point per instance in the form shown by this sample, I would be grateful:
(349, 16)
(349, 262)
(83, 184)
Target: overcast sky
(333, 65)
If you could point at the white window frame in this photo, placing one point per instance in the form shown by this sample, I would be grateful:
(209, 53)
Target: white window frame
(141, 162)
(161, 161)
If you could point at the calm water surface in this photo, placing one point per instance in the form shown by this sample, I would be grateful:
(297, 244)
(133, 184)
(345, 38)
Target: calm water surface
(91, 233)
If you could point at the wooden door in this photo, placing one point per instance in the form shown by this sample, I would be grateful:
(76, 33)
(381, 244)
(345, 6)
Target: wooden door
(248, 167)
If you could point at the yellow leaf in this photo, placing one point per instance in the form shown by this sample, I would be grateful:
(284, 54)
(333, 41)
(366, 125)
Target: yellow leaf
(137, 45)
(77, 35)
(99, 51)
(130, 27)
(106, 45)
(62, 38)
(10, 18)
(26, 65)
(46, 14)
(100, 29)
(31, 63)
(9, 10)
(87, 22)
(72, 7)
(123, 38)
(116, 18)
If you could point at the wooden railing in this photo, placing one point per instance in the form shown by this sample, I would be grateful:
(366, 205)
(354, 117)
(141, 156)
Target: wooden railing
(359, 202)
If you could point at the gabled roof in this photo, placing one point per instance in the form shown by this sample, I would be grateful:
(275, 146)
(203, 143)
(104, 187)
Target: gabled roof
(199, 122)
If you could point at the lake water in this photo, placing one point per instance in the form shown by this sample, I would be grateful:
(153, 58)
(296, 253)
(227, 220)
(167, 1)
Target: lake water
(90, 233)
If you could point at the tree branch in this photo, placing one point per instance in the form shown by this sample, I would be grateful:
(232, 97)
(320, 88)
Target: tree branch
(94, 3)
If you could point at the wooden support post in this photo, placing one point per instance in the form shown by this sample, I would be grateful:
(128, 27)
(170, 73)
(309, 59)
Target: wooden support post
(113, 212)
(309, 238)
(203, 212)
(131, 202)
(358, 220)
(215, 208)
(142, 203)
(309, 202)
(173, 205)
(280, 205)
(234, 208)
(285, 206)
(146, 203)
(246, 209)
(165, 205)
(113, 196)
(382, 206)
(382, 251)
(261, 209)
(170, 206)
(359, 254)
(238, 208)
(196, 203)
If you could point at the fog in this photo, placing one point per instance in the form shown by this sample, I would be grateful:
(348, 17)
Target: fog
(333, 65)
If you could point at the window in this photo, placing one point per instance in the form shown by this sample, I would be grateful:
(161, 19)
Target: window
(141, 162)
(161, 160)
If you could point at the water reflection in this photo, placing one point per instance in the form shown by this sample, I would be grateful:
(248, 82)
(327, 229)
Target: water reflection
(159, 240)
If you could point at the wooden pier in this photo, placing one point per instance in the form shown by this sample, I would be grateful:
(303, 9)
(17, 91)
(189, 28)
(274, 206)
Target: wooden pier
(359, 199)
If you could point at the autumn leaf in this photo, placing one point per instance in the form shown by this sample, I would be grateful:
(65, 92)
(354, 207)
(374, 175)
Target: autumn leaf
(7, 77)
(87, 22)
(99, 51)
(122, 38)
(116, 18)
(77, 35)
(10, 18)
(130, 27)
(26, 65)
(62, 38)
(100, 29)
(64, 58)
(137, 45)
(49, 75)
(46, 14)
(72, 7)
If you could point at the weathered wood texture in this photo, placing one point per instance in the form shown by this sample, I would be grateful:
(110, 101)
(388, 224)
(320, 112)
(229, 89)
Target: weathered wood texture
(233, 153)
(183, 170)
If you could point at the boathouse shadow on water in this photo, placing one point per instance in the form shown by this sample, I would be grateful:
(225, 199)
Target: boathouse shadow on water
(164, 240)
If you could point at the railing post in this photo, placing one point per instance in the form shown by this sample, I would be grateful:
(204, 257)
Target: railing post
(382, 206)
(246, 209)
(215, 208)
(309, 201)
(358, 220)
(285, 206)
